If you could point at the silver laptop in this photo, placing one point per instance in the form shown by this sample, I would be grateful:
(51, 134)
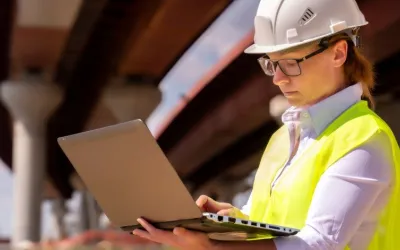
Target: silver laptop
(126, 171)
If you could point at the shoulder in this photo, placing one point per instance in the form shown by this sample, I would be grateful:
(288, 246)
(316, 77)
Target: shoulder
(373, 159)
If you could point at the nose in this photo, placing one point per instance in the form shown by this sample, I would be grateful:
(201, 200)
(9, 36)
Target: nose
(279, 77)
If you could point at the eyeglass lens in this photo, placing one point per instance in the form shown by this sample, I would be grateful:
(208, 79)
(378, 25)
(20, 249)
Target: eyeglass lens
(289, 67)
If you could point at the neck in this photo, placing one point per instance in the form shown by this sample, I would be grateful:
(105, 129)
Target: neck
(339, 81)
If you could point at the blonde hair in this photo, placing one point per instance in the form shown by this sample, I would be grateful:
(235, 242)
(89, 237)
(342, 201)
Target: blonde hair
(357, 68)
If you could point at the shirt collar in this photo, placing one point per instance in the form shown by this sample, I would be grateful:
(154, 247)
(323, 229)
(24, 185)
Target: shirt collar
(321, 114)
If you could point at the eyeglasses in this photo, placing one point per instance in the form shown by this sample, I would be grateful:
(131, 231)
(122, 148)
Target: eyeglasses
(289, 67)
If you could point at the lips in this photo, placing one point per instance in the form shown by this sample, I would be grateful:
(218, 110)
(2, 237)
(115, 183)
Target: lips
(289, 92)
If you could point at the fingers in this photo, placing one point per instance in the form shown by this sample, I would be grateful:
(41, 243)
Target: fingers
(207, 204)
(183, 232)
(227, 212)
(192, 238)
(153, 233)
(202, 202)
(180, 237)
(179, 231)
(142, 234)
(149, 228)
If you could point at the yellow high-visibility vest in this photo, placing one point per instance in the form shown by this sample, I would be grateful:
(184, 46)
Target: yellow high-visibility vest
(287, 204)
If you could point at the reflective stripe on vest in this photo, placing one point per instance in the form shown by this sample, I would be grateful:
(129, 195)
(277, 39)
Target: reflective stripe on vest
(288, 203)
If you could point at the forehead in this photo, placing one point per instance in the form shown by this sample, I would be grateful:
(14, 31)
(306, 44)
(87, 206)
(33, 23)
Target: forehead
(295, 52)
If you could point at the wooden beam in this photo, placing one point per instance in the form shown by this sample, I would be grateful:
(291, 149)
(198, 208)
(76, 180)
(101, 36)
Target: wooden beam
(87, 71)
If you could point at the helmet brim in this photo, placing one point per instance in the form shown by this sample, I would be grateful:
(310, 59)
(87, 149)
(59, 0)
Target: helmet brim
(258, 49)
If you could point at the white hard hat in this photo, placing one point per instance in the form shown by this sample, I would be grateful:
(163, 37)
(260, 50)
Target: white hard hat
(283, 24)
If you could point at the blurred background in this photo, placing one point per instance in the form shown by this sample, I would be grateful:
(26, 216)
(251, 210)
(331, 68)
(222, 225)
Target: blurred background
(68, 66)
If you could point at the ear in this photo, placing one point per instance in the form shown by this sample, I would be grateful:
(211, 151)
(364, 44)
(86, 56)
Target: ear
(340, 53)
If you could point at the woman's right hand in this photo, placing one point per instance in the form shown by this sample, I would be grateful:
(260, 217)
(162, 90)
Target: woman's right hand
(207, 204)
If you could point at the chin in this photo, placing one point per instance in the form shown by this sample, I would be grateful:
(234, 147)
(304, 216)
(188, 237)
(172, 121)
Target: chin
(295, 102)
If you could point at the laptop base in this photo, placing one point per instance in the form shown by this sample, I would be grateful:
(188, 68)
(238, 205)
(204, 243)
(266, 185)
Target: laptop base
(223, 228)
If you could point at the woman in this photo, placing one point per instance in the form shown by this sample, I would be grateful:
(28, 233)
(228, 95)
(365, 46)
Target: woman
(332, 169)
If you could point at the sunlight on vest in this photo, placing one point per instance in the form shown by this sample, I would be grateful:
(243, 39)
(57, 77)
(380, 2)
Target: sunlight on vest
(288, 203)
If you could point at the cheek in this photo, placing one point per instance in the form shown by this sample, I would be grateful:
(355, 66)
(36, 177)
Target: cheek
(311, 87)
(311, 82)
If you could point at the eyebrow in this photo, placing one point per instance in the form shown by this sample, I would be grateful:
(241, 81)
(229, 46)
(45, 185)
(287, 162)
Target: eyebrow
(294, 49)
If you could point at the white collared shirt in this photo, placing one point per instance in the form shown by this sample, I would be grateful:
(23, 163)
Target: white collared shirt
(351, 193)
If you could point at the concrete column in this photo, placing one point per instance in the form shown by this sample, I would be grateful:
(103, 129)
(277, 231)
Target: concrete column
(104, 222)
(133, 101)
(277, 106)
(30, 104)
(59, 211)
(88, 210)
(84, 223)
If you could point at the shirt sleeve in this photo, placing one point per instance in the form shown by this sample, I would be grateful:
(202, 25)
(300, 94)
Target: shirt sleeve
(344, 198)
(247, 207)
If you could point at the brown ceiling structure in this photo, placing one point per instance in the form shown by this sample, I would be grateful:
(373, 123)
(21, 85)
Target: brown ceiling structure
(85, 47)
(170, 32)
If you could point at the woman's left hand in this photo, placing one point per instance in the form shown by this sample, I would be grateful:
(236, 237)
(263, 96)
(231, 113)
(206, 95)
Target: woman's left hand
(180, 238)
